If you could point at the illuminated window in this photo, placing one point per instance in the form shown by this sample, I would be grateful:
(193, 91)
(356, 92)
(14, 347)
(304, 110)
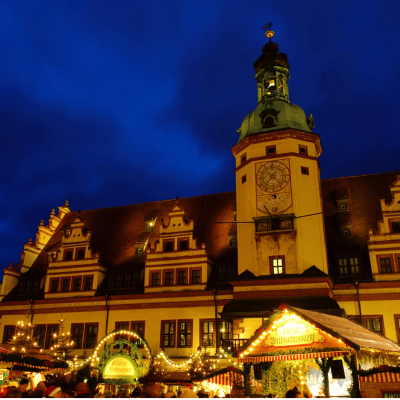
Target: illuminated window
(386, 266)
(225, 330)
(168, 334)
(52, 339)
(91, 336)
(343, 270)
(77, 335)
(40, 334)
(373, 324)
(277, 265)
(185, 333)
(207, 333)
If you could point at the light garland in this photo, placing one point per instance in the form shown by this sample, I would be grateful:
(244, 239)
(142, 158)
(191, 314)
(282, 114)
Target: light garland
(194, 356)
(283, 318)
(94, 357)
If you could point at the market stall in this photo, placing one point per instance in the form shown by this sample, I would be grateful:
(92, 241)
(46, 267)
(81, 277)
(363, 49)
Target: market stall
(316, 353)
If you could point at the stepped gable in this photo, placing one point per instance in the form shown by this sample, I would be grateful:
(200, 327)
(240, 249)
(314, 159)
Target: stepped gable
(364, 209)
(116, 230)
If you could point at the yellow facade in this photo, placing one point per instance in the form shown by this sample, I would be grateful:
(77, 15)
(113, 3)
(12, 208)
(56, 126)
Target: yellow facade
(191, 276)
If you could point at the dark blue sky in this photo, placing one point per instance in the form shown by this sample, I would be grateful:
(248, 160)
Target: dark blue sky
(109, 103)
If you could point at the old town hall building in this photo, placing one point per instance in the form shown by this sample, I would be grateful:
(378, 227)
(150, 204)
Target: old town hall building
(205, 271)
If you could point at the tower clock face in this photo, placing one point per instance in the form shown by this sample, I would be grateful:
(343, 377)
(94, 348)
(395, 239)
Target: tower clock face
(273, 176)
(273, 190)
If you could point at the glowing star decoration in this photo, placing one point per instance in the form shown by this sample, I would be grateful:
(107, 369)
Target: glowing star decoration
(293, 333)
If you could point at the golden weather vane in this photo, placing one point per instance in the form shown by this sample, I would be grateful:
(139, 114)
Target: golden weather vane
(270, 33)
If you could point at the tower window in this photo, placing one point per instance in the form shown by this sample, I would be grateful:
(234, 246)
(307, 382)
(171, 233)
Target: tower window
(244, 178)
(271, 150)
(305, 171)
(243, 158)
(303, 149)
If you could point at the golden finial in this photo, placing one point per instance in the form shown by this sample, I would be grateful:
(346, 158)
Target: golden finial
(270, 33)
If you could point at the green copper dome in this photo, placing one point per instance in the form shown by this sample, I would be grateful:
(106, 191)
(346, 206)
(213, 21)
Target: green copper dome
(274, 111)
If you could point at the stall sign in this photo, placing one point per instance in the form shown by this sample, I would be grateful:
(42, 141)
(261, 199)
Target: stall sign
(293, 333)
(119, 367)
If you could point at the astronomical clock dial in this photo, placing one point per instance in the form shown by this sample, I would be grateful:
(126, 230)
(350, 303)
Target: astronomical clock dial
(274, 190)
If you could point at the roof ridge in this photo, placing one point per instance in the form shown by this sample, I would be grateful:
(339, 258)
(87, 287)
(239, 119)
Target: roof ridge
(358, 176)
(156, 201)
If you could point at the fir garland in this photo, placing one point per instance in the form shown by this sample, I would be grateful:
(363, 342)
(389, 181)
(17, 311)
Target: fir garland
(377, 370)
(309, 350)
(31, 361)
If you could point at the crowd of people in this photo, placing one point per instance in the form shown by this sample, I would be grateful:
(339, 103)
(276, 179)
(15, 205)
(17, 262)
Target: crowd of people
(149, 390)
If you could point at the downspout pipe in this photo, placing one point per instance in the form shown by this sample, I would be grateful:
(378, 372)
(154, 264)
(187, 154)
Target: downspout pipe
(356, 284)
(106, 297)
(216, 321)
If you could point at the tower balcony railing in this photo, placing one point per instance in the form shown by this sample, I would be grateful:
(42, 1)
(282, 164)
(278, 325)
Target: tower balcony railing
(274, 223)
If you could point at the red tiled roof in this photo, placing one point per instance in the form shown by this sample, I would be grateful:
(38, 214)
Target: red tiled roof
(116, 230)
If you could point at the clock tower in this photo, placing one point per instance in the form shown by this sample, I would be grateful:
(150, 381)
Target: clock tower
(279, 205)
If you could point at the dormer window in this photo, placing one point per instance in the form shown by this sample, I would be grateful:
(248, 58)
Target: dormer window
(343, 207)
(80, 254)
(346, 232)
(139, 250)
(68, 255)
(183, 244)
(233, 243)
(169, 245)
(396, 227)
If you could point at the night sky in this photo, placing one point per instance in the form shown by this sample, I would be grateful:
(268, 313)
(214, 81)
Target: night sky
(109, 103)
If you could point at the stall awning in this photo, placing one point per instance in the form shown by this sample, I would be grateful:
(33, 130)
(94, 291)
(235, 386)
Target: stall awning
(290, 357)
(381, 377)
(226, 377)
